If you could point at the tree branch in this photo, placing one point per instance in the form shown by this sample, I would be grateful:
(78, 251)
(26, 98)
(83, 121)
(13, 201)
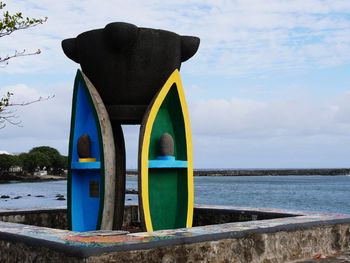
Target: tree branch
(10, 23)
(25, 103)
(4, 60)
(20, 26)
(9, 116)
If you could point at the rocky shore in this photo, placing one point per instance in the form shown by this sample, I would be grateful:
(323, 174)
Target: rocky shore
(8, 177)
(11, 177)
(272, 172)
(266, 172)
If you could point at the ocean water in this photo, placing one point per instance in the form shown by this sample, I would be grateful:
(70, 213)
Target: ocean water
(305, 193)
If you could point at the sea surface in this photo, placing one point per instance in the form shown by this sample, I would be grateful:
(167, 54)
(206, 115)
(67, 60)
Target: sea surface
(303, 193)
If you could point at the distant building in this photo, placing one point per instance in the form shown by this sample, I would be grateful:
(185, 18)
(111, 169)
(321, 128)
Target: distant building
(40, 173)
(15, 169)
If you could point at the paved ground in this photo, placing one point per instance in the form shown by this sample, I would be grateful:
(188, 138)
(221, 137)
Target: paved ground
(342, 257)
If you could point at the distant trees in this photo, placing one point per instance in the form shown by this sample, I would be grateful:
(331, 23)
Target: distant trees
(33, 161)
(6, 161)
(37, 158)
(55, 162)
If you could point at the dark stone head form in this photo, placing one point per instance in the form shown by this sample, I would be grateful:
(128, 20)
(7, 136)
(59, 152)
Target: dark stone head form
(84, 146)
(129, 64)
(166, 145)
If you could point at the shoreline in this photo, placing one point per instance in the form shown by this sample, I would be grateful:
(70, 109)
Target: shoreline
(266, 172)
(13, 178)
(273, 172)
(9, 178)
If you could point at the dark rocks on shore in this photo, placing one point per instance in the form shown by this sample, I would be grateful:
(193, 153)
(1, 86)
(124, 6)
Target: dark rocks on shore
(17, 197)
(131, 191)
(264, 172)
(6, 177)
(39, 196)
(4, 196)
(60, 197)
(272, 172)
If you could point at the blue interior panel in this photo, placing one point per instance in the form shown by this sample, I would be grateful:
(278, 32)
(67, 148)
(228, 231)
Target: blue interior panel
(84, 205)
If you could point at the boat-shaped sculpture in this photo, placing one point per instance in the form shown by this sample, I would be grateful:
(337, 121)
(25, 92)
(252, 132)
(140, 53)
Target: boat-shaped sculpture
(92, 166)
(165, 161)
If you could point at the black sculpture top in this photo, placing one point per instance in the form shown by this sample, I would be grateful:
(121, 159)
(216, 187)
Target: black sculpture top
(128, 64)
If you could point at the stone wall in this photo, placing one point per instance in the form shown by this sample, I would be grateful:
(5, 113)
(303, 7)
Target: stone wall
(19, 252)
(211, 216)
(53, 218)
(280, 246)
(275, 247)
(286, 237)
(57, 218)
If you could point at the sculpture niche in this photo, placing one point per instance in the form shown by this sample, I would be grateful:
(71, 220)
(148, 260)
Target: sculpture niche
(133, 73)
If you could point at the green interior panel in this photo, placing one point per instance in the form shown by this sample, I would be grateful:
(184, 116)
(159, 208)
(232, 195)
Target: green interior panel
(168, 187)
(168, 198)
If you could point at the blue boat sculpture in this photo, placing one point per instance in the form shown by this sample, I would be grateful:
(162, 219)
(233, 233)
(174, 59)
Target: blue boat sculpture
(91, 180)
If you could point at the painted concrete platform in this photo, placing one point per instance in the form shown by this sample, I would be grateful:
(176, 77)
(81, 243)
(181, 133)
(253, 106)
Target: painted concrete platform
(299, 236)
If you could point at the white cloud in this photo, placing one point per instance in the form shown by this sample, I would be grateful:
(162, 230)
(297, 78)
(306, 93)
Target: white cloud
(131, 137)
(43, 123)
(323, 151)
(290, 132)
(299, 116)
(238, 37)
(236, 132)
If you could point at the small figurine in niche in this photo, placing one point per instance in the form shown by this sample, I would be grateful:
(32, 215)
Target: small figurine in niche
(166, 147)
(84, 146)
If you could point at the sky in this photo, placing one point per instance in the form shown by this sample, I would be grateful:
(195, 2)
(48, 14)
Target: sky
(268, 88)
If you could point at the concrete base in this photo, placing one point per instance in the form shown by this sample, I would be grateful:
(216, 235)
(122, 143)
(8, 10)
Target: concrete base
(221, 234)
